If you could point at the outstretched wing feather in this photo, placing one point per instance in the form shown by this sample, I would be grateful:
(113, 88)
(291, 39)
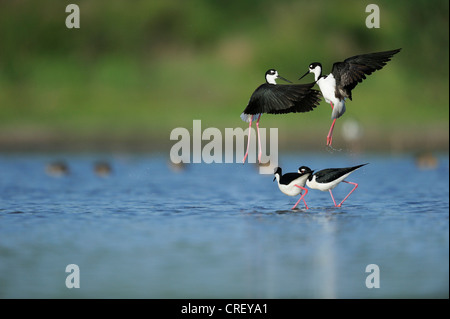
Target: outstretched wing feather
(277, 99)
(353, 70)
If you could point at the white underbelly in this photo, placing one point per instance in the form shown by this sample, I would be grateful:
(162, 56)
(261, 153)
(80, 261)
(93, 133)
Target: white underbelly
(327, 87)
(325, 186)
(290, 190)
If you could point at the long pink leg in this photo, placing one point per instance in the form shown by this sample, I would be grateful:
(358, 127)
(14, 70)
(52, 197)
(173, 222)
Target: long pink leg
(302, 197)
(248, 141)
(356, 185)
(332, 198)
(259, 139)
(330, 132)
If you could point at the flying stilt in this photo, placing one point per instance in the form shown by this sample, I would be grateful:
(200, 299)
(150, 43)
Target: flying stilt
(292, 184)
(327, 179)
(278, 99)
(344, 76)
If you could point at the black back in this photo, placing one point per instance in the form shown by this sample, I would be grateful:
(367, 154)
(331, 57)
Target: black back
(287, 178)
(354, 69)
(280, 99)
(331, 174)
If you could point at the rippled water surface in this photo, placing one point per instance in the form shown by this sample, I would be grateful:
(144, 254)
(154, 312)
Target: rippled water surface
(220, 230)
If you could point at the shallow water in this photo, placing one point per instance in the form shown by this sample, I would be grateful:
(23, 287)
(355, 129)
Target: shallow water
(220, 230)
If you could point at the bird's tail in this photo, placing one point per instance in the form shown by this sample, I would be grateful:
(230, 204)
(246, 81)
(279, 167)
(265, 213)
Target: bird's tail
(354, 168)
(338, 110)
(246, 117)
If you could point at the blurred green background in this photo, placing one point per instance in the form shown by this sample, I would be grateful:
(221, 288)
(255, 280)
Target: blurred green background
(135, 70)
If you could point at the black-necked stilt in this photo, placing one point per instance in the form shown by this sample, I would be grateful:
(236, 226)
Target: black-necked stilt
(344, 76)
(278, 99)
(327, 179)
(292, 184)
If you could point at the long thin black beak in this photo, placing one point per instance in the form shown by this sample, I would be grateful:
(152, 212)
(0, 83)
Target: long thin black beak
(304, 75)
(274, 179)
(282, 78)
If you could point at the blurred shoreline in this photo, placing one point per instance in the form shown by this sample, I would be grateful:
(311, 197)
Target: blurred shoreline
(400, 141)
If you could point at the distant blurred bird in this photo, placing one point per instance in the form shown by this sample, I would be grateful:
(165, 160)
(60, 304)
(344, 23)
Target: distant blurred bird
(344, 76)
(176, 167)
(327, 179)
(102, 169)
(292, 184)
(57, 169)
(426, 160)
(278, 99)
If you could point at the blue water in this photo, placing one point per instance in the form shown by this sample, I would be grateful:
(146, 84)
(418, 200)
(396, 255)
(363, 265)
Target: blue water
(220, 230)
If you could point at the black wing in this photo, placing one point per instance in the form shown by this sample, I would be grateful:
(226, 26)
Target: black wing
(287, 178)
(331, 174)
(354, 69)
(277, 99)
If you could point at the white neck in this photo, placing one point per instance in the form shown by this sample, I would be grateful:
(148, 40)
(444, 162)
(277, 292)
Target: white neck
(271, 78)
(317, 72)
